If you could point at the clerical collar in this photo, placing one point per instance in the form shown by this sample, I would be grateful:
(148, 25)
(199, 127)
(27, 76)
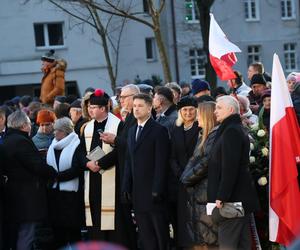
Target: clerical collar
(102, 120)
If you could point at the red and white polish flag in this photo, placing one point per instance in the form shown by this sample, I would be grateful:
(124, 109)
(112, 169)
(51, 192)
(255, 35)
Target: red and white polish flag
(221, 51)
(284, 216)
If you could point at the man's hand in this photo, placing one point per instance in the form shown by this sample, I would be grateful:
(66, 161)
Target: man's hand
(93, 166)
(219, 204)
(108, 138)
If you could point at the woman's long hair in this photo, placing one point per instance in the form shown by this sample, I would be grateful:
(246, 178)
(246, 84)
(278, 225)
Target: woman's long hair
(208, 118)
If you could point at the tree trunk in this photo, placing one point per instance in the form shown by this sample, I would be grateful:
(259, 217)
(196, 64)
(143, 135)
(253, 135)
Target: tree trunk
(102, 34)
(204, 10)
(161, 49)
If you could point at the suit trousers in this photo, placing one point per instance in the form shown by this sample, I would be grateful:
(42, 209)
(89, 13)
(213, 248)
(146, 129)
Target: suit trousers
(235, 234)
(153, 230)
(26, 236)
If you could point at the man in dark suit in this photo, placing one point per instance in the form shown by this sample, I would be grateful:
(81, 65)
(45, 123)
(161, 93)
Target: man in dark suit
(2, 182)
(146, 175)
(229, 179)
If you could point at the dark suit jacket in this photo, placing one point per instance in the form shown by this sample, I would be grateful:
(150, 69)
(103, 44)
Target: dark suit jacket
(229, 179)
(25, 191)
(146, 166)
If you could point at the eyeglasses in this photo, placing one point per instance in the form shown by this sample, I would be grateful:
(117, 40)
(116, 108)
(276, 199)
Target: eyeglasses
(122, 97)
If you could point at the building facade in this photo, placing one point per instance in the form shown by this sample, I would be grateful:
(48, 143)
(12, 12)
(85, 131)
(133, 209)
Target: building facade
(28, 29)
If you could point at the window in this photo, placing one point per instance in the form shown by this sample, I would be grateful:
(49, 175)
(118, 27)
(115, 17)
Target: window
(48, 35)
(251, 10)
(287, 9)
(290, 57)
(197, 61)
(150, 49)
(191, 9)
(145, 6)
(254, 54)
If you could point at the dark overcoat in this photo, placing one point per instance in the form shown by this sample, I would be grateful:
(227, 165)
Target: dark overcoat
(25, 190)
(229, 179)
(146, 166)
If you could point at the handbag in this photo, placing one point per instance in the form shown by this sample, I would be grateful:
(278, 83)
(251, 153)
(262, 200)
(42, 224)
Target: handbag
(229, 210)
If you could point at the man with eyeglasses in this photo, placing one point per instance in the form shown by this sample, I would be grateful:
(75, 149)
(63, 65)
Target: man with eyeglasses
(120, 142)
(45, 119)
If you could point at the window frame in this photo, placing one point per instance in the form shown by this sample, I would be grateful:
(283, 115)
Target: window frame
(196, 65)
(249, 13)
(194, 16)
(293, 10)
(47, 45)
(153, 49)
(288, 53)
(253, 53)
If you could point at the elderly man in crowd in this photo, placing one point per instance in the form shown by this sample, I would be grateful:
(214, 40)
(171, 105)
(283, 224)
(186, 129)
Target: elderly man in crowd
(25, 190)
(229, 179)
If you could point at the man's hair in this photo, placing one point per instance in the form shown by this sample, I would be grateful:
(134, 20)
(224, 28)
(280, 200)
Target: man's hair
(230, 101)
(133, 88)
(165, 94)
(147, 98)
(174, 86)
(258, 66)
(239, 77)
(2, 112)
(17, 119)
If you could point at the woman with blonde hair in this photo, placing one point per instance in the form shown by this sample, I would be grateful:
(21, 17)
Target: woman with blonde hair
(183, 141)
(194, 178)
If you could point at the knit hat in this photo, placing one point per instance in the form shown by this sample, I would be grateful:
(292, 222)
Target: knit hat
(199, 85)
(99, 97)
(45, 116)
(294, 76)
(265, 93)
(166, 92)
(64, 124)
(61, 98)
(49, 56)
(258, 79)
(187, 101)
(76, 104)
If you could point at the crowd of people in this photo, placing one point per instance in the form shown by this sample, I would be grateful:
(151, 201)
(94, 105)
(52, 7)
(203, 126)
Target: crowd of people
(153, 168)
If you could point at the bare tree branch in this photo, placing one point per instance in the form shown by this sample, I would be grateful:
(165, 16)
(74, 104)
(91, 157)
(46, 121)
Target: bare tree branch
(120, 13)
(162, 5)
(72, 14)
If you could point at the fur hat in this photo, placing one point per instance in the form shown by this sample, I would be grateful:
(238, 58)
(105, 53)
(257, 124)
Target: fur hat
(199, 85)
(49, 56)
(187, 101)
(45, 116)
(258, 79)
(99, 97)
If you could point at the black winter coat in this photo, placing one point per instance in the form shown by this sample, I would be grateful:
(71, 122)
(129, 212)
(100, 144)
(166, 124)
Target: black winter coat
(229, 179)
(25, 191)
(201, 228)
(66, 208)
(182, 147)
